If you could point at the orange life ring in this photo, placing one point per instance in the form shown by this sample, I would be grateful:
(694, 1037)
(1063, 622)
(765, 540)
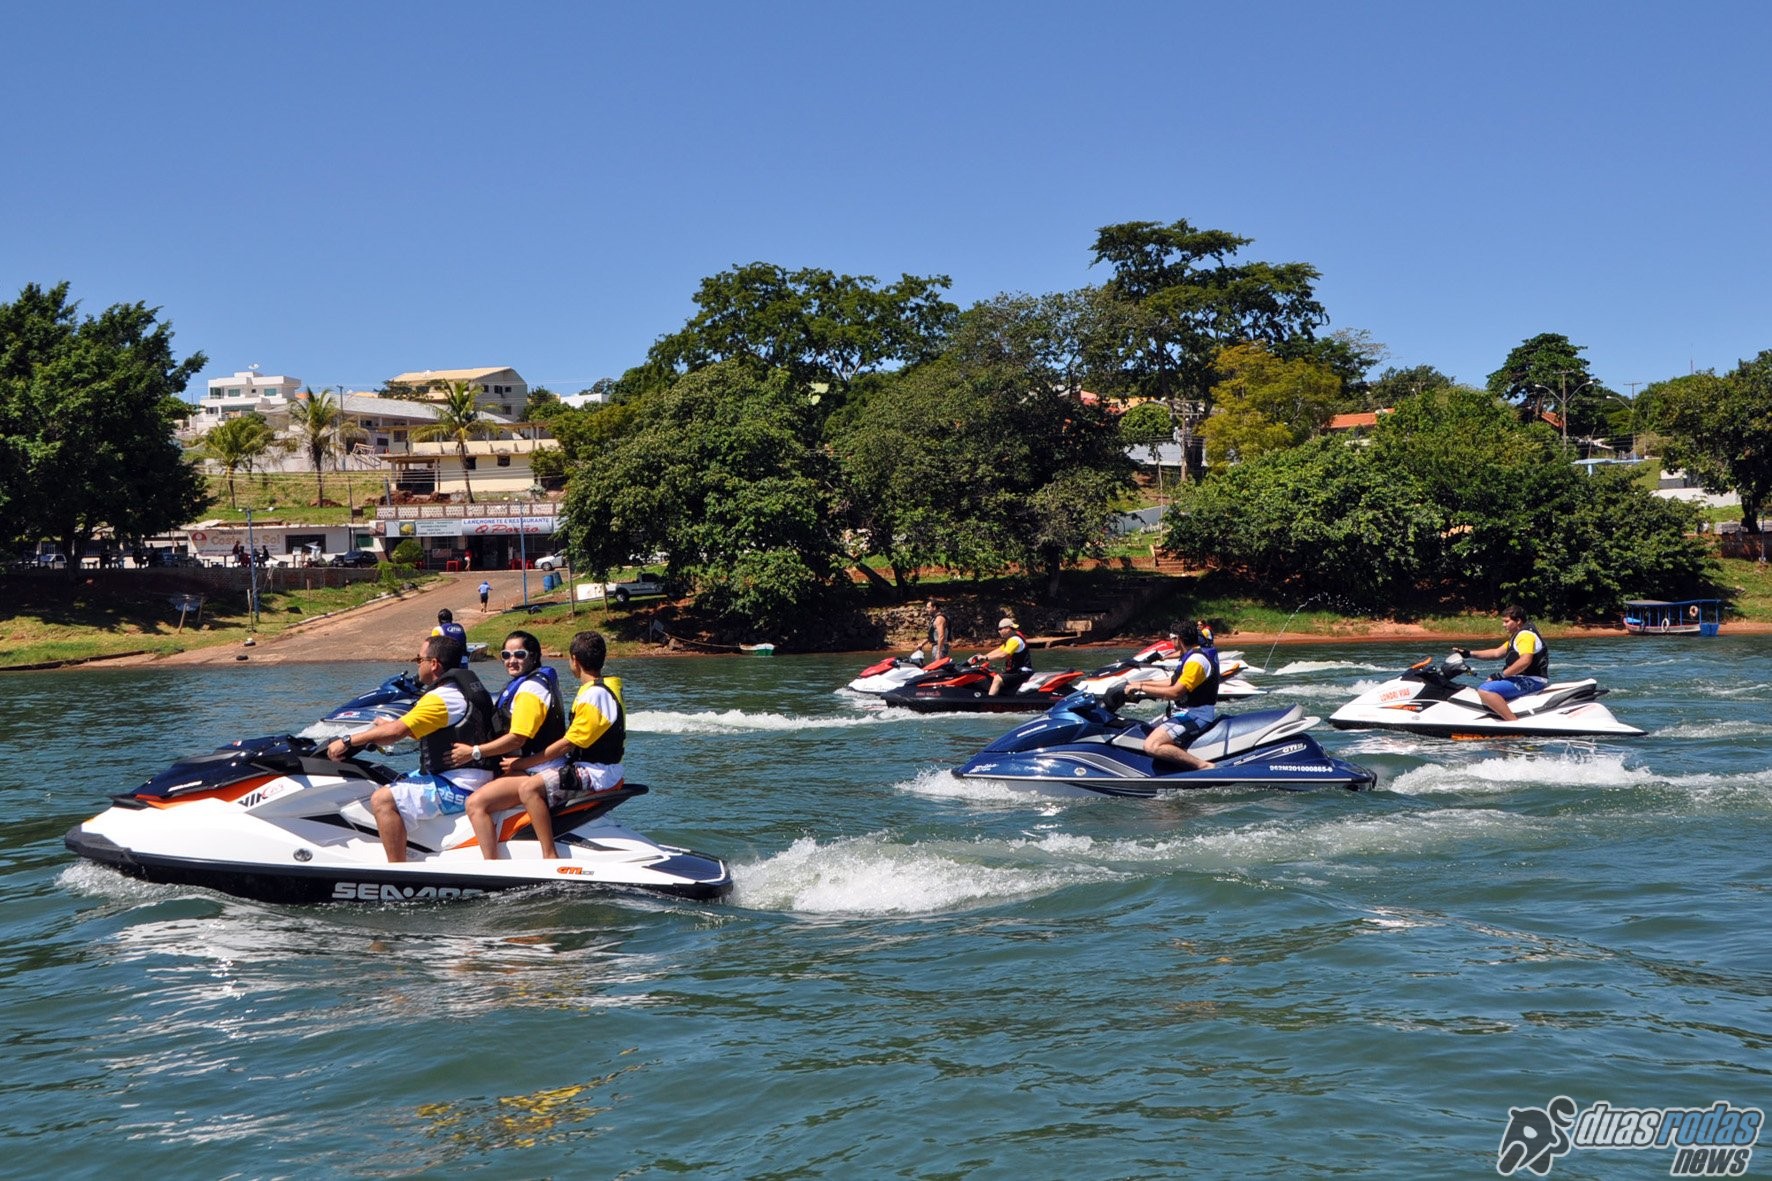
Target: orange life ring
(1692, 611)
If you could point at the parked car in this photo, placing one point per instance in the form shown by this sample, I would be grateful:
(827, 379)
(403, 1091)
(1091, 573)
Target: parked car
(551, 562)
(647, 586)
(356, 557)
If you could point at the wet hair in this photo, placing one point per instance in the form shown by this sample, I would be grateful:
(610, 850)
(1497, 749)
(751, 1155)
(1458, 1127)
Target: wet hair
(445, 615)
(1514, 611)
(590, 650)
(529, 644)
(445, 650)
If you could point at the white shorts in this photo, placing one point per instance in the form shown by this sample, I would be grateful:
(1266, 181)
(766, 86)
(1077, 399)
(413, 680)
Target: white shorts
(573, 779)
(420, 796)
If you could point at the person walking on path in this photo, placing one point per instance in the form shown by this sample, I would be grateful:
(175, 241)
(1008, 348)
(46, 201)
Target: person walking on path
(485, 594)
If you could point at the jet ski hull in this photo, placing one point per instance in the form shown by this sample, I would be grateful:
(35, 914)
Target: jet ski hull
(1429, 701)
(266, 819)
(1081, 744)
(968, 691)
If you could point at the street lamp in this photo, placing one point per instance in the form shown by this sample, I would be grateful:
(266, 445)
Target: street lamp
(1562, 394)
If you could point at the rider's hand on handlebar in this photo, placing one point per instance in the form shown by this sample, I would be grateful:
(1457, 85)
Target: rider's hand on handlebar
(1464, 652)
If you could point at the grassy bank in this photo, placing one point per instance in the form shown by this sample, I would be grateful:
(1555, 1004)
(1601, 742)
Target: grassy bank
(56, 621)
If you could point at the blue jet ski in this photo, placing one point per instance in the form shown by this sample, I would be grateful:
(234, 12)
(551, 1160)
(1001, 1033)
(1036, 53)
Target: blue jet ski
(390, 699)
(1081, 745)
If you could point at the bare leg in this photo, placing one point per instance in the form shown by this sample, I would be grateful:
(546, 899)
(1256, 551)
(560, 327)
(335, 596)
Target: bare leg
(389, 824)
(1497, 704)
(996, 684)
(535, 801)
(1159, 745)
(483, 802)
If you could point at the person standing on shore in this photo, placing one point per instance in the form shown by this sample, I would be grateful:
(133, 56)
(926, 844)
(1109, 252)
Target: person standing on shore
(485, 594)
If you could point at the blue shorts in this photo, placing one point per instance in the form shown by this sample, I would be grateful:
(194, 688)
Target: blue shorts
(1508, 688)
(1189, 723)
(421, 796)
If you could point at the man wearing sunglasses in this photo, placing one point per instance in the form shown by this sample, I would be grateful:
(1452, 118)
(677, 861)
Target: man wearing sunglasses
(454, 708)
(528, 718)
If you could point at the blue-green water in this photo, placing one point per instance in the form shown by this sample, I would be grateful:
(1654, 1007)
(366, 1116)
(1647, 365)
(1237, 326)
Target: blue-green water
(917, 976)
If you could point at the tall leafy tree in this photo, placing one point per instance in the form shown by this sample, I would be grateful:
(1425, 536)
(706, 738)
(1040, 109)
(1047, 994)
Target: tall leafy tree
(986, 458)
(237, 444)
(1549, 372)
(322, 432)
(1265, 403)
(1178, 295)
(459, 420)
(1719, 429)
(820, 327)
(87, 408)
(723, 473)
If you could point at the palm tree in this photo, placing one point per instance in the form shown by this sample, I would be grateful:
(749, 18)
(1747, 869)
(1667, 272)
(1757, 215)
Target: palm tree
(458, 420)
(321, 430)
(237, 444)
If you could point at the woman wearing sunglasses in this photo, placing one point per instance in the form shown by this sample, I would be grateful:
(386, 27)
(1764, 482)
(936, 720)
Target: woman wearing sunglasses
(528, 717)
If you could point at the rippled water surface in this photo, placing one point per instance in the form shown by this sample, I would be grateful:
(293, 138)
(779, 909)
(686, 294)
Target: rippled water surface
(918, 976)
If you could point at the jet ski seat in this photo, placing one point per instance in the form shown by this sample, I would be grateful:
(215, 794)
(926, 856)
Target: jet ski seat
(1232, 731)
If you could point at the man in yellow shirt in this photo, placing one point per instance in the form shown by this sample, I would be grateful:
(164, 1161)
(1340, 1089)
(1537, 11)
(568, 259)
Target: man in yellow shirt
(455, 708)
(1528, 663)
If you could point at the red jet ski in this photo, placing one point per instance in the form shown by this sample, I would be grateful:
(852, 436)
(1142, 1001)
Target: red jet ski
(966, 688)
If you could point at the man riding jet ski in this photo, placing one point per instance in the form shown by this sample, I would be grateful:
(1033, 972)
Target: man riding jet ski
(1429, 700)
(1156, 662)
(1082, 746)
(275, 818)
(272, 818)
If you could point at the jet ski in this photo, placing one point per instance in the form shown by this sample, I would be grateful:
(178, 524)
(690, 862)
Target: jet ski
(1429, 700)
(966, 688)
(1158, 662)
(391, 699)
(1083, 746)
(273, 819)
(887, 675)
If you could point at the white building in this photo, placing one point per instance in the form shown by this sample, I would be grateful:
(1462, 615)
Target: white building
(501, 391)
(246, 392)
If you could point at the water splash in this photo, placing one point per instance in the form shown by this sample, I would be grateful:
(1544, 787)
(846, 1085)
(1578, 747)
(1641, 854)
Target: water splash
(738, 721)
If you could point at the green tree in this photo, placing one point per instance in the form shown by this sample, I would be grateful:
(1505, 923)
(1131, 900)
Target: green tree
(1265, 403)
(322, 432)
(458, 420)
(87, 409)
(985, 458)
(1548, 370)
(1392, 386)
(1147, 422)
(1719, 429)
(1177, 297)
(237, 444)
(818, 326)
(721, 472)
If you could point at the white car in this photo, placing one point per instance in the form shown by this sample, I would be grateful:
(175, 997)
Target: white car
(647, 586)
(551, 562)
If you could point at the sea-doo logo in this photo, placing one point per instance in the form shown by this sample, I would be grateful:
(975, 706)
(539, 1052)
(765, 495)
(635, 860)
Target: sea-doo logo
(1717, 1141)
(388, 892)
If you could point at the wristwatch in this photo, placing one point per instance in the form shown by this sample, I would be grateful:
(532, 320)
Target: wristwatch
(476, 752)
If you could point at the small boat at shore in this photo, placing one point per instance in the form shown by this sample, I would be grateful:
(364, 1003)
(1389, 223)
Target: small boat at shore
(1673, 617)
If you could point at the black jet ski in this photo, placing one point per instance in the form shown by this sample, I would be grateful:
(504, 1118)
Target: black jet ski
(273, 819)
(966, 688)
(390, 699)
(1083, 745)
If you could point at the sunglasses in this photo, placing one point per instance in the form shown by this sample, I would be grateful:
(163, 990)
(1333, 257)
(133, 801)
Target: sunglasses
(517, 654)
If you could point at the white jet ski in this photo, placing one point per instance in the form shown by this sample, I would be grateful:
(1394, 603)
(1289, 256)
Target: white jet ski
(1158, 662)
(895, 672)
(273, 819)
(1429, 700)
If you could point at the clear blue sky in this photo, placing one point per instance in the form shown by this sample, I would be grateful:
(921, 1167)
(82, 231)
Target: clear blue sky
(345, 191)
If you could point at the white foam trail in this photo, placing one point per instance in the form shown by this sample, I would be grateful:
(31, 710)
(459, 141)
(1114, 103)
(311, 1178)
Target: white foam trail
(1298, 667)
(1714, 730)
(871, 875)
(941, 783)
(1733, 691)
(1514, 771)
(738, 721)
(1322, 692)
